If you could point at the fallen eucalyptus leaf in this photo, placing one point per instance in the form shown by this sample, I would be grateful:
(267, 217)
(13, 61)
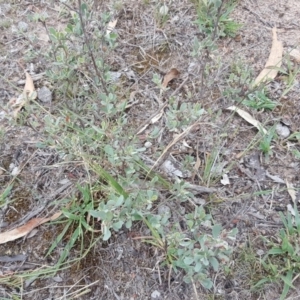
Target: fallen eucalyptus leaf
(25, 229)
(274, 61)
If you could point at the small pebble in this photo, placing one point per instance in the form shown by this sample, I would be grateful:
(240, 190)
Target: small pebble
(148, 144)
(282, 130)
(155, 295)
(15, 171)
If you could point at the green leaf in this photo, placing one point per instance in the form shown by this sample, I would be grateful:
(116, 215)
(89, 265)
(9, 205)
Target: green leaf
(207, 283)
(118, 225)
(109, 150)
(216, 230)
(59, 238)
(276, 250)
(188, 260)
(69, 246)
(128, 224)
(119, 201)
(198, 267)
(86, 225)
(110, 180)
(5, 193)
(83, 8)
(287, 284)
(106, 233)
(214, 262)
(53, 33)
(97, 214)
(261, 283)
(70, 215)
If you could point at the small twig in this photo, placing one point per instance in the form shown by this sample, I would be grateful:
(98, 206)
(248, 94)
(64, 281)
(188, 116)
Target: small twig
(256, 15)
(195, 290)
(159, 275)
(172, 143)
(169, 278)
(219, 13)
(90, 50)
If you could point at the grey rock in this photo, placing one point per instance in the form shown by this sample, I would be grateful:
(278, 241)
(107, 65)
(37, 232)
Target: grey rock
(44, 94)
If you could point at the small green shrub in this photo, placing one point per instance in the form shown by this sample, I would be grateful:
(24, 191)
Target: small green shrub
(213, 18)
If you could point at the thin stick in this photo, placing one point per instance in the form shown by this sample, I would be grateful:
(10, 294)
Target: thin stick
(90, 51)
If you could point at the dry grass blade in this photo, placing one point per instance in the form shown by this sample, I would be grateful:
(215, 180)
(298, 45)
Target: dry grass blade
(247, 117)
(274, 61)
(291, 190)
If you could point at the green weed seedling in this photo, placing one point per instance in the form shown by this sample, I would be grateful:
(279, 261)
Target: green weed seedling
(76, 215)
(282, 262)
(259, 100)
(265, 143)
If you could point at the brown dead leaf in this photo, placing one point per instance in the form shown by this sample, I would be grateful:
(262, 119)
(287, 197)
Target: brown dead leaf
(25, 229)
(274, 61)
(196, 167)
(172, 74)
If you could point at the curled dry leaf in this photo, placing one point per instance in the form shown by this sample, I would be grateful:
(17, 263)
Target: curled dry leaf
(25, 229)
(172, 74)
(29, 87)
(247, 117)
(274, 61)
(27, 95)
